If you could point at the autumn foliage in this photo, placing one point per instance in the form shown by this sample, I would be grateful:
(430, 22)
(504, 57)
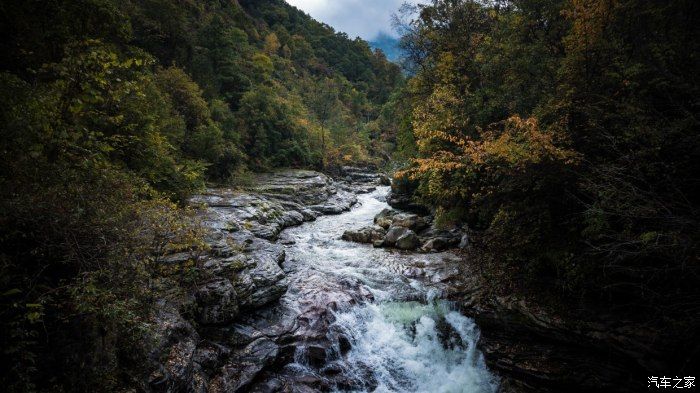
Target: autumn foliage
(564, 136)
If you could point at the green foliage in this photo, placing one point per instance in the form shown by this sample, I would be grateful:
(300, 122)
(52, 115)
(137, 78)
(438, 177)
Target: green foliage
(273, 135)
(564, 134)
(112, 113)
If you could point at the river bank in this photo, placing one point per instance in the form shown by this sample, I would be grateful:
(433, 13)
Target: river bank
(287, 305)
(316, 284)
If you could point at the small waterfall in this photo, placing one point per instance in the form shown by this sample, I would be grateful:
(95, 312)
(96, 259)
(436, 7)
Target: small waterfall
(414, 347)
(399, 336)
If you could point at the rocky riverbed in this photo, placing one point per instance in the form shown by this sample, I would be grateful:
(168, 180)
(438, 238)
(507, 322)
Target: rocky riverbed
(288, 305)
(314, 284)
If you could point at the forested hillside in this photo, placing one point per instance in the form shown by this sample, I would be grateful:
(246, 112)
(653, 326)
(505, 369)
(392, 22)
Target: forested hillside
(112, 114)
(565, 135)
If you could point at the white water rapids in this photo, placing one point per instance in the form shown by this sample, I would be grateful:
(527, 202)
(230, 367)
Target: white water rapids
(406, 340)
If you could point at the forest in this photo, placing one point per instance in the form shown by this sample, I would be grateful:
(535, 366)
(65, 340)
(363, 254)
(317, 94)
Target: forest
(564, 134)
(113, 114)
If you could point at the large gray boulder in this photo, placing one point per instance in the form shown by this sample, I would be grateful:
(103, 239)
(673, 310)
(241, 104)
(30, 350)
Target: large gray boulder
(391, 218)
(394, 234)
(408, 241)
(365, 235)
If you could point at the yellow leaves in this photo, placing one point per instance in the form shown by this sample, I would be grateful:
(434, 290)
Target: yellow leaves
(439, 118)
(516, 143)
(589, 19)
(505, 149)
(272, 44)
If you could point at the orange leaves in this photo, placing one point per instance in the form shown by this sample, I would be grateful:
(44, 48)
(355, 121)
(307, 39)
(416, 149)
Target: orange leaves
(438, 118)
(516, 143)
(588, 19)
(513, 143)
(506, 149)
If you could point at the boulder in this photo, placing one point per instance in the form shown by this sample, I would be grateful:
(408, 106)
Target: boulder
(217, 302)
(408, 241)
(384, 180)
(385, 218)
(410, 221)
(244, 366)
(394, 234)
(435, 244)
(316, 355)
(405, 202)
(365, 235)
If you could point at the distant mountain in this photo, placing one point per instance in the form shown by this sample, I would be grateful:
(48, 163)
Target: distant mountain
(389, 45)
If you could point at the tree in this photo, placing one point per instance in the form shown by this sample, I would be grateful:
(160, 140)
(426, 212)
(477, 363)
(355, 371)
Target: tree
(325, 106)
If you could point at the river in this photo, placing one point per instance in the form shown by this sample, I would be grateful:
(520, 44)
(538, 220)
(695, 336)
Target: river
(396, 334)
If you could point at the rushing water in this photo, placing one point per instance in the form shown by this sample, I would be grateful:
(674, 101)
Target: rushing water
(404, 338)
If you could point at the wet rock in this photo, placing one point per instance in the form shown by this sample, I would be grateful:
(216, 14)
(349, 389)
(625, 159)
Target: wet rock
(385, 218)
(339, 203)
(174, 342)
(365, 235)
(344, 344)
(217, 302)
(210, 356)
(316, 355)
(394, 234)
(278, 200)
(357, 175)
(408, 241)
(332, 369)
(389, 218)
(260, 279)
(435, 244)
(244, 366)
(410, 221)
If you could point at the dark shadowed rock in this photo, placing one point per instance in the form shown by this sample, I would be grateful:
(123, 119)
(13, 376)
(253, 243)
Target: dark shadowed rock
(174, 343)
(405, 202)
(316, 355)
(244, 366)
(210, 356)
(435, 244)
(217, 302)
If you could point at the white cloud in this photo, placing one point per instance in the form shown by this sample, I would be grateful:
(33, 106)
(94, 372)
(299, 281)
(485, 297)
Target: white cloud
(364, 18)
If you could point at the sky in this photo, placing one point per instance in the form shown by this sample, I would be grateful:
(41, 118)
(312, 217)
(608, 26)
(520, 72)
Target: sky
(363, 18)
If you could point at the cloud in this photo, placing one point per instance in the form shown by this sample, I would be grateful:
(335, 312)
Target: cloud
(363, 18)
